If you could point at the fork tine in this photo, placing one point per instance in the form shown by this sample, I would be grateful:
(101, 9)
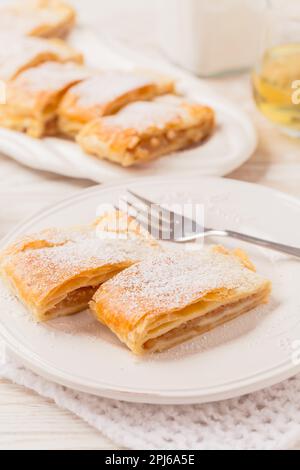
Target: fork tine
(173, 217)
(151, 204)
(174, 220)
(153, 223)
(136, 216)
(156, 231)
(138, 213)
(156, 220)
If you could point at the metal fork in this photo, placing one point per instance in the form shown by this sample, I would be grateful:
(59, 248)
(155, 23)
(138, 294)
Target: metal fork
(155, 218)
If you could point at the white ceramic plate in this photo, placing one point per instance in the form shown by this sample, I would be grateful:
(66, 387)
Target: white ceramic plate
(247, 354)
(231, 145)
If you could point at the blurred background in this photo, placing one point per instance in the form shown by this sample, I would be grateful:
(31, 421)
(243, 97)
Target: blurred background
(215, 38)
(127, 19)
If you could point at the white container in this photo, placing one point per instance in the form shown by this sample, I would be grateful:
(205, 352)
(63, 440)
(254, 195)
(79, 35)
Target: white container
(211, 37)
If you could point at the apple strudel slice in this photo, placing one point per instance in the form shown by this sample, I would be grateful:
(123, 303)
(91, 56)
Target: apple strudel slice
(173, 297)
(43, 18)
(26, 52)
(33, 97)
(146, 130)
(57, 272)
(106, 94)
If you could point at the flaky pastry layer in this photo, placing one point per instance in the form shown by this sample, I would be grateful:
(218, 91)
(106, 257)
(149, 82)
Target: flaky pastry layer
(27, 52)
(33, 97)
(174, 297)
(42, 18)
(106, 94)
(143, 131)
(56, 272)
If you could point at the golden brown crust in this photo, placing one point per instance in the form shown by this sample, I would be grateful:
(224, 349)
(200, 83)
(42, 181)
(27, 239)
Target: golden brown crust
(157, 296)
(42, 18)
(106, 94)
(244, 258)
(34, 96)
(57, 271)
(146, 130)
(27, 52)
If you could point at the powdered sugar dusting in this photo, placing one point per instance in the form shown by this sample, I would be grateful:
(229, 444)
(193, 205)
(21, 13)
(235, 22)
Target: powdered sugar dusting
(108, 86)
(52, 76)
(145, 115)
(27, 49)
(68, 254)
(174, 280)
(24, 16)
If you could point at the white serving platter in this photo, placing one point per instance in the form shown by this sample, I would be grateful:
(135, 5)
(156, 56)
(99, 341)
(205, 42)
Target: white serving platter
(250, 353)
(232, 144)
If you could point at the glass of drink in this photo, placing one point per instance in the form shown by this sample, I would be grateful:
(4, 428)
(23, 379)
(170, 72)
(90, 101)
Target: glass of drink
(276, 78)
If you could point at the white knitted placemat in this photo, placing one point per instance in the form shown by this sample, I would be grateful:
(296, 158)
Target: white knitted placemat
(269, 419)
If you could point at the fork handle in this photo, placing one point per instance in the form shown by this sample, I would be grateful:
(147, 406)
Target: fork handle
(291, 250)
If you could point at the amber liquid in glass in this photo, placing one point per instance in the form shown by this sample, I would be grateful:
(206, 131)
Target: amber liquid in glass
(276, 87)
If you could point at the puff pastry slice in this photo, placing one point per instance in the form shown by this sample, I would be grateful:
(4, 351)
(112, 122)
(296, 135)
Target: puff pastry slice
(171, 298)
(43, 18)
(106, 94)
(144, 130)
(34, 96)
(26, 52)
(56, 272)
